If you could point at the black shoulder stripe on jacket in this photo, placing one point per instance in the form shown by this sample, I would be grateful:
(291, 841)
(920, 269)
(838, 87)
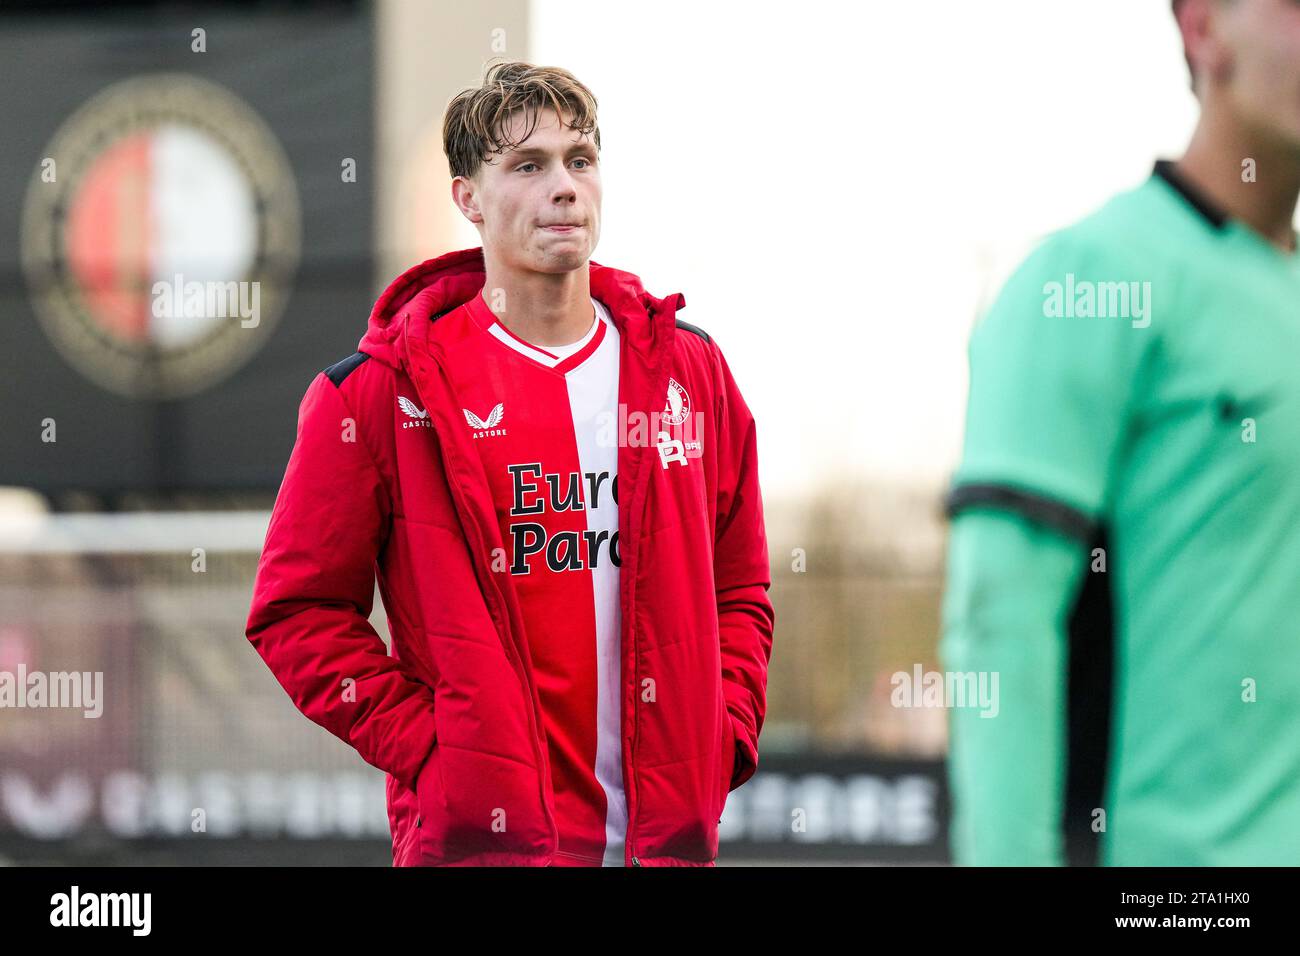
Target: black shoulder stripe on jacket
(341, 370)
(694, 328)
(1038, 508)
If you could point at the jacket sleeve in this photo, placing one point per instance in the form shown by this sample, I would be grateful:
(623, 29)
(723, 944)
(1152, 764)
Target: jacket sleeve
(314, 591)
(742, 575)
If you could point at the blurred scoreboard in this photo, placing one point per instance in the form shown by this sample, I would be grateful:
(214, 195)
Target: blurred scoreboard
(794, 810)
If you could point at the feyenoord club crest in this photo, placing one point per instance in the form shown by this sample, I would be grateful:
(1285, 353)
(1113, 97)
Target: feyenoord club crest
(160, 236)
(678, 406)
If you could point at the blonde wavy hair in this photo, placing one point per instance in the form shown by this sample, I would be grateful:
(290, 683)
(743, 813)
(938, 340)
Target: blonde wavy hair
(473, 128)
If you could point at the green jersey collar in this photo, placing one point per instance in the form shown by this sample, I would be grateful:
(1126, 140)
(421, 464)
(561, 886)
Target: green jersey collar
(1209, 210)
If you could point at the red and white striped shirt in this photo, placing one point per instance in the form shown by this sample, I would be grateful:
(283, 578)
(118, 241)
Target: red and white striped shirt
(544, 421)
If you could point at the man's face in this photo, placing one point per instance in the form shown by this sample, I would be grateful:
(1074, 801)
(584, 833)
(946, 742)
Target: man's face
(1258, 50)
(537, 206)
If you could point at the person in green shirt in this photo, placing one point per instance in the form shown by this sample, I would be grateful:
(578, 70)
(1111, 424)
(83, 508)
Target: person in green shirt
(1133, 430)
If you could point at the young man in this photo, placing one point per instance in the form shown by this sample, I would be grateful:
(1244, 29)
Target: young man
(556, 480)
(1136, 384)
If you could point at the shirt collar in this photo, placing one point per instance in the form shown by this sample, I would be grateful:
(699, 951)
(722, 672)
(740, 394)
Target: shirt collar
(1209, 210)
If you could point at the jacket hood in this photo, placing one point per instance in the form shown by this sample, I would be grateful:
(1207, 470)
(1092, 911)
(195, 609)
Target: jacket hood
(439, 285)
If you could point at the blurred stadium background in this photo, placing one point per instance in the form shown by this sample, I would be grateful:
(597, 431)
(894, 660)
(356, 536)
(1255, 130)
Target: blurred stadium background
(837, 189)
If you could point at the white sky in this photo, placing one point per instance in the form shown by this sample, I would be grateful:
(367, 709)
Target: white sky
(837, 188)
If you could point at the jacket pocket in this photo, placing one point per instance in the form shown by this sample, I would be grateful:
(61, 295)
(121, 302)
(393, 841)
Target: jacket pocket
(481, 808)
(431, 807)
(726, 759)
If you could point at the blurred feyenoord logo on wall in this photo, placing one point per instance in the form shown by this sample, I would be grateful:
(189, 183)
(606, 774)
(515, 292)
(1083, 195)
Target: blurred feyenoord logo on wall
(161, 235)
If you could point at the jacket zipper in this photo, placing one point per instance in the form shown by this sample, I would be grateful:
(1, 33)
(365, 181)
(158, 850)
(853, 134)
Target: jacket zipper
(532, 717)
(643, 479)
(458, 494)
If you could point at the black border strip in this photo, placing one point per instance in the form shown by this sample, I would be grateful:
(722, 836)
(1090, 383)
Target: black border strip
(337, 372)
(694, 328)
(1210, 211)
(1039, 508)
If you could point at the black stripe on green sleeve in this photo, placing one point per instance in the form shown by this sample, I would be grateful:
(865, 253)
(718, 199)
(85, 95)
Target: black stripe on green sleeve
(1037, 508)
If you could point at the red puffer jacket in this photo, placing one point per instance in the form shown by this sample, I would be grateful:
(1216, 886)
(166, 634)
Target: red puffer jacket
(453, 716)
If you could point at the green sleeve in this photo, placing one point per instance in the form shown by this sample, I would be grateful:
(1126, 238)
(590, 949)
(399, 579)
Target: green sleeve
(1010, 583)
(1051, 395)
